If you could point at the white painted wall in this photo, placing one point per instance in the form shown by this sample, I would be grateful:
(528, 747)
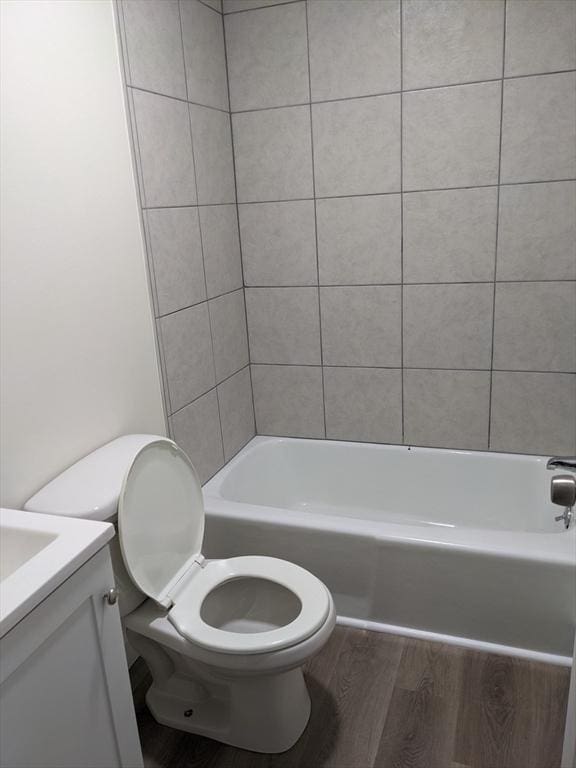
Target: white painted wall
(78, 358)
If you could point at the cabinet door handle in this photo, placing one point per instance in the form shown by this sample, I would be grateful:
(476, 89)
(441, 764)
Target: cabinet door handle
(111, 596)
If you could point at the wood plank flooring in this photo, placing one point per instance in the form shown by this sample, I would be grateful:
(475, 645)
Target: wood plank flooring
(382, 701)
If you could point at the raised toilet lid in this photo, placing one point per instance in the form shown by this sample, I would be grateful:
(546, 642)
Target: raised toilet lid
(160, 518)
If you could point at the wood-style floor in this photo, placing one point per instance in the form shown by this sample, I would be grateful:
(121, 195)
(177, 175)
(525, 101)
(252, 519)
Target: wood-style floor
(383, 700)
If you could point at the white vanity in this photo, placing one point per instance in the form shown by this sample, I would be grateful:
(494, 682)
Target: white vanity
(65, 695)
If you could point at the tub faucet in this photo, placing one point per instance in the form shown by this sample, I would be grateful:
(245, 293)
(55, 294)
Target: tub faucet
(563, 487)
(563, 493)
(562, 462)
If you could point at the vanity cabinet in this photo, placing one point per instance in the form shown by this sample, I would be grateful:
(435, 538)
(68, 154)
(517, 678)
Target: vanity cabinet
(65, 699)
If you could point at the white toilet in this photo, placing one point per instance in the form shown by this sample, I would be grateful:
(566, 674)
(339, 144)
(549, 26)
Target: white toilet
(225, 640)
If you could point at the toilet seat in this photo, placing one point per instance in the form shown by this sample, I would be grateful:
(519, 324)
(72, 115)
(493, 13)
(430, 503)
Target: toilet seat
(185, 615)
(161, 529)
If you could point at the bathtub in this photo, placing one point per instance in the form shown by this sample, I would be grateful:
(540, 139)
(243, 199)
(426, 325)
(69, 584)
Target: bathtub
(455, 546)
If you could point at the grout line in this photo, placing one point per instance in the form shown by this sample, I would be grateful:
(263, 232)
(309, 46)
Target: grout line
(545, 373)
(238, 225)
(402, 415)
(163, 369)
(415, 368)
(495, 184)
(315, 221)
(375, 194)
(497, 227)
(399, 284)
(491, 79)
(207, 392)
(150, 261)
(188, 205)
(205, 300)
(402, 90)
(259, 7)
(184, 67)
(300, 104)
(177, 98)
(211, 7)
(202, 242)
(484, 186)
(123, 40)
(251, 390)
(137, 153)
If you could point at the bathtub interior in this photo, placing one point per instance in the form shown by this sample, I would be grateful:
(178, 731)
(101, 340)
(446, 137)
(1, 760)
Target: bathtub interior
(418, 486)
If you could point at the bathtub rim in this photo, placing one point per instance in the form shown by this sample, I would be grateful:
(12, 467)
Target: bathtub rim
(558, 548)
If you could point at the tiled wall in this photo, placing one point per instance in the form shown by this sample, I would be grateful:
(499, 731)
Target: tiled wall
(407, 205)
(175, 70)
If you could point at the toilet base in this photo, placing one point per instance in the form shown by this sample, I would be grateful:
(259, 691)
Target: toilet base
(263, 714)
(259, 702)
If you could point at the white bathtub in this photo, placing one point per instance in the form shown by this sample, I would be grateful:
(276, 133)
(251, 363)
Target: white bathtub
(451, 545)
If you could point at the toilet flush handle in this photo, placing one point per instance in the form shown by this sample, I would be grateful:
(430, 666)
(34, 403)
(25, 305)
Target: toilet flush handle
(111, 596)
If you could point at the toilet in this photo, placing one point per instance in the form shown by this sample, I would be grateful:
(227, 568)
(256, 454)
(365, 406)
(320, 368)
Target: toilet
(225, 640)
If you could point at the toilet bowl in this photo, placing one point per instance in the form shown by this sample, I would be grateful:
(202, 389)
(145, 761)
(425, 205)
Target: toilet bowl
(225, 640)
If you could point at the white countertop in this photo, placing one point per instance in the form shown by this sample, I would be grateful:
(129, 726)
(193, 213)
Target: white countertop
(38, 553)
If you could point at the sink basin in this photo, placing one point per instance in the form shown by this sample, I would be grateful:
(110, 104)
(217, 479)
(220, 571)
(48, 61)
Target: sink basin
(18, 545)
(37, 553)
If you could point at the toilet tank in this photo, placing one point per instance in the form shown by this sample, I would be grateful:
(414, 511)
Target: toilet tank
(90, 489)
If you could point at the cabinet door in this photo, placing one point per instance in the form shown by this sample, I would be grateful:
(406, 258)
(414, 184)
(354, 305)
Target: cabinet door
(65, 698)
